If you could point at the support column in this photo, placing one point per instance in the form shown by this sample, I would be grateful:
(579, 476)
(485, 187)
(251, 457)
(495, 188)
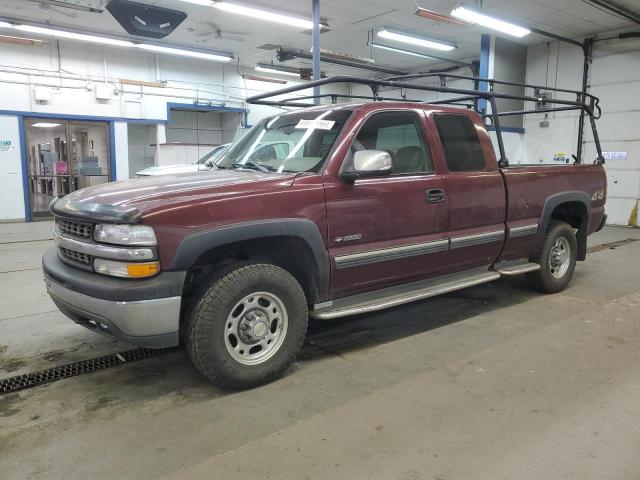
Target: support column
(316, 46)
(484, 68)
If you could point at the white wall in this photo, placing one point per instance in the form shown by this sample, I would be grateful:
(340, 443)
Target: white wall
(615, 79)
(121, 144)
(11, 196)
(140, 153)
(72, 80)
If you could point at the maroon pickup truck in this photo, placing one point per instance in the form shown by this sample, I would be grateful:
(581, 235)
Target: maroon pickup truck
(325, 212)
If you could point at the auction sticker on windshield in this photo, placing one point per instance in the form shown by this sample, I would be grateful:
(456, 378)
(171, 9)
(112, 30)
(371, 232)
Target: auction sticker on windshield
(317, 124)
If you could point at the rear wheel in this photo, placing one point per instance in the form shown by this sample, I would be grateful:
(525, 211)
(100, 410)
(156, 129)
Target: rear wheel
(248, 325)
(557, 258)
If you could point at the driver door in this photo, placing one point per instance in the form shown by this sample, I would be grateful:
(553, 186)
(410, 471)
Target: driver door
(388, 229)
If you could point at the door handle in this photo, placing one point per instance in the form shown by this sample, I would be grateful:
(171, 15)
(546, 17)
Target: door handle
(435, 195)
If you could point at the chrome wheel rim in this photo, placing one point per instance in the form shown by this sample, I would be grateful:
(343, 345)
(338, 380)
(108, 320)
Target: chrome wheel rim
(559, 257)
(256, 328)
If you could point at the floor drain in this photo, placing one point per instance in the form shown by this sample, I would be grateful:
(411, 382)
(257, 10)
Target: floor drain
(28, 380)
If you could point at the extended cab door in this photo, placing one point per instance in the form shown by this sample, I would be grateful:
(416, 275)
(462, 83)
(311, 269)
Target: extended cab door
(475, 189)
(392, 228)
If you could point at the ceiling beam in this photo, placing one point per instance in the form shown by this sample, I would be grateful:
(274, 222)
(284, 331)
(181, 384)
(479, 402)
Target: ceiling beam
(559, 38)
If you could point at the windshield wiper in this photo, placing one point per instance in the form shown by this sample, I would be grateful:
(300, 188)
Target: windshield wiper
(251, 165)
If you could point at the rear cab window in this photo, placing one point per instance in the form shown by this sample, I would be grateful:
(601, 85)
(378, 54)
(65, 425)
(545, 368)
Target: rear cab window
(462, 148)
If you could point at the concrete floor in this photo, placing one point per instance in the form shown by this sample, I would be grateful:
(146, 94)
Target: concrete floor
(493, 382)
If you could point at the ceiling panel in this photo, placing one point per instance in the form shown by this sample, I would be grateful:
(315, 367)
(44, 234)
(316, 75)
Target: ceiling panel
(349, 22)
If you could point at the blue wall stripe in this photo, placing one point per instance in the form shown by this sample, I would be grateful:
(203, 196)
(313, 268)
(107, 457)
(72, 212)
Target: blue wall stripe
(92, 118)
(491, 128)
(205, 108)
(95, 118)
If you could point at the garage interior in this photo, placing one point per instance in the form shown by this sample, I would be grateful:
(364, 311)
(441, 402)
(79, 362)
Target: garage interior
(494, 381)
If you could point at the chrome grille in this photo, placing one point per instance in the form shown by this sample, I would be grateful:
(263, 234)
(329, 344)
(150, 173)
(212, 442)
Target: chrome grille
(75, 229)
(80, 259)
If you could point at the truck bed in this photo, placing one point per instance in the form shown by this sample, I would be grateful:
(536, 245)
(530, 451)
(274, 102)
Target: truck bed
(529, 186)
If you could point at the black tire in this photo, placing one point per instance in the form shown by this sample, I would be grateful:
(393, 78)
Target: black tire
(549, 279)
(206, 337)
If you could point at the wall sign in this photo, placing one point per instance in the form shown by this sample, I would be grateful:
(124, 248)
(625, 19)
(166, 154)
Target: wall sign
(615, 155)
(6, 145)
(561, 157)
(13, 197)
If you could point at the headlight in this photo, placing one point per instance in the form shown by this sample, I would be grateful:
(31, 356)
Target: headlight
(126, 270)
(125, 234)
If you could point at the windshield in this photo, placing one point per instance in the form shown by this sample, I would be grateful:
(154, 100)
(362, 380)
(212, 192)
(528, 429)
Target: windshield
(295, 142)
(213, 155)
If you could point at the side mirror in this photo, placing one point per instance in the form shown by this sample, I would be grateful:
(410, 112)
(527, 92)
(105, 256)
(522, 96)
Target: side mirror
(368, 163)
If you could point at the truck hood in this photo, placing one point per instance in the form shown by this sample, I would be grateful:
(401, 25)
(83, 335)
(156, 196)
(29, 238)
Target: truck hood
(171, 169)
(128, 201)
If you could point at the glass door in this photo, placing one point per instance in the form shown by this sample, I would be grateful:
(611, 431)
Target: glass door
(88, 153)
(64, 156)
(48, 158)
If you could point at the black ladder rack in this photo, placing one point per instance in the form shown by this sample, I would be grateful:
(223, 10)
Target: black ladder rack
(585, 102)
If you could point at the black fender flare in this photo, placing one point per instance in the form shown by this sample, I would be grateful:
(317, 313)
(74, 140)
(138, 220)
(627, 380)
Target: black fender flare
(552, 203)
(195, 245)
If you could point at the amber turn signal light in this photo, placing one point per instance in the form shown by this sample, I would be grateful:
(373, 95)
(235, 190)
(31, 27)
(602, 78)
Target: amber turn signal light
(139, 270)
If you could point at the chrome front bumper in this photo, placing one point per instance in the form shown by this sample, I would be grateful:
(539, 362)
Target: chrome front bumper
(148, 323)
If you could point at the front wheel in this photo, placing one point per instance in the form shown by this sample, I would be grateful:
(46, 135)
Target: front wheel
(248, 325)
(557, 258)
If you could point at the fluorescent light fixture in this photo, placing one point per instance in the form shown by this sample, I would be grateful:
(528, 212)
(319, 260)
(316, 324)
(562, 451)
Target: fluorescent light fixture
(185, 53)
(277, 70)
(50, 32)
(46, 125)
(263, 14)
(400, 50)
(415, 40)
(473, 16)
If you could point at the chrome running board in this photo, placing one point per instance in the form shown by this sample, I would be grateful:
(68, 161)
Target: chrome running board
(515, 267)
(401, 294)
